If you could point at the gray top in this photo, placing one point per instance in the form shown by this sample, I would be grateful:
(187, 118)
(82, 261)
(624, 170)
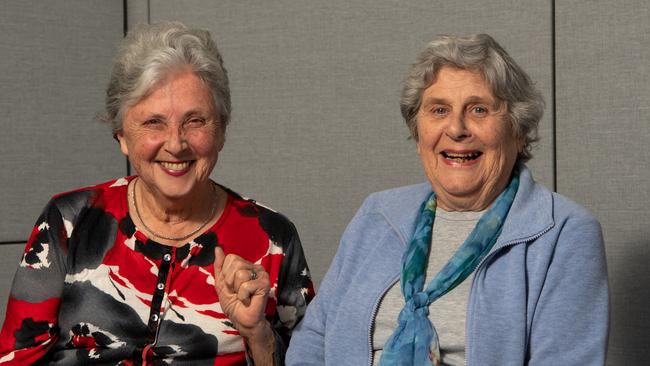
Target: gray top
(447, 314)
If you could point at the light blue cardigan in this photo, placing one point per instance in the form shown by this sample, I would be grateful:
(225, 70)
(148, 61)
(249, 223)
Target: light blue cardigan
(540, 297)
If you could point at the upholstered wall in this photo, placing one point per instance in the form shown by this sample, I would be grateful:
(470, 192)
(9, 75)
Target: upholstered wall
(316, 124)
(54, 64)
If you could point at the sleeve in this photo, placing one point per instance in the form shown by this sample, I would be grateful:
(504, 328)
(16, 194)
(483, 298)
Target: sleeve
(295, 291)
(571, 320)
(30, 328)
(307, 346)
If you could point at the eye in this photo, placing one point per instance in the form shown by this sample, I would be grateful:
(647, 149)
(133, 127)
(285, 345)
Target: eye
(152, 122)
(440, 111)
(195, 121)
(480, 110)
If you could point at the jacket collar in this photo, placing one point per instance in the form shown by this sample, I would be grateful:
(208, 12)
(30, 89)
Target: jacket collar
(531, 213)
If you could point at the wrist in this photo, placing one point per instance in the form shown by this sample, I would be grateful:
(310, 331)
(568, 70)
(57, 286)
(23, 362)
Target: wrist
(260, 344)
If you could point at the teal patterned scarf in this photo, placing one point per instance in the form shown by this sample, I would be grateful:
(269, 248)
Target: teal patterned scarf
(415, 341)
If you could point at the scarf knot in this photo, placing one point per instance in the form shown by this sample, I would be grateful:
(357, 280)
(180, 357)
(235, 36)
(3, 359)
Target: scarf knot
(418, 301)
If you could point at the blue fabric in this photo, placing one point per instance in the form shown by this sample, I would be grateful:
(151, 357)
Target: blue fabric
(540, 297)
(415, 341)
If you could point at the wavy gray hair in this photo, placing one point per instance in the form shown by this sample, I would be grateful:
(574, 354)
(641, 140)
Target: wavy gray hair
(149, 53)
(480, 53)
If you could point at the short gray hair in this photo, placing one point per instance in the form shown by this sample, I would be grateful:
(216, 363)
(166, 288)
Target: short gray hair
(480, 53)
(149, 53)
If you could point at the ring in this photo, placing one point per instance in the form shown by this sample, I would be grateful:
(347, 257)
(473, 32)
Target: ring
(253, 275)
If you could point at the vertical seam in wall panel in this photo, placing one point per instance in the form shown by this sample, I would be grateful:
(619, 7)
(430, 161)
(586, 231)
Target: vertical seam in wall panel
(148, 11)
(125, 31)
(125, 19)
(553, 99)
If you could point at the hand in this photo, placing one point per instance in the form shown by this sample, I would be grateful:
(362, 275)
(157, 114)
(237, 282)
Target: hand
(243, 290)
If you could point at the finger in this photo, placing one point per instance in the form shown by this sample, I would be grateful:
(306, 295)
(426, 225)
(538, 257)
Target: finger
(254, 289)
(249, 273)
(232, 266)
(219, 257)
(242, 276)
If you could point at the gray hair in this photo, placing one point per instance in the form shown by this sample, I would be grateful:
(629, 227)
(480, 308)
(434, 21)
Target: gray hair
(149, 53)
(480, 53)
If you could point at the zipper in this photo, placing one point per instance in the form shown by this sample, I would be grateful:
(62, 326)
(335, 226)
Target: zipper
(478, 268)
(375, 308)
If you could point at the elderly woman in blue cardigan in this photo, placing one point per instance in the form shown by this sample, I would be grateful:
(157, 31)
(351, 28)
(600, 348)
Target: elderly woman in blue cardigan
(481, 265)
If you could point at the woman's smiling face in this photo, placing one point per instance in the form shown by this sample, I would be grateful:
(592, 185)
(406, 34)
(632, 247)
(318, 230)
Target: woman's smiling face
(173, 137)
(466, 146)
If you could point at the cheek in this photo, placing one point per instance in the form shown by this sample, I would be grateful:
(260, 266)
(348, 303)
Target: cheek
(428, 140)
(145, 147)
(206, 145)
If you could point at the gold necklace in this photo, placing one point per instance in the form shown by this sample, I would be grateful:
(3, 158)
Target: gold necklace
(137, 212)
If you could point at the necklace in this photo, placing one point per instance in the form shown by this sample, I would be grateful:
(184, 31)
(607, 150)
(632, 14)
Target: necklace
(173, 238)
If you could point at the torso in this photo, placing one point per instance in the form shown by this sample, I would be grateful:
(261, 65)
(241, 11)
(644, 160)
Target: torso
(447, 314)
(127, 297)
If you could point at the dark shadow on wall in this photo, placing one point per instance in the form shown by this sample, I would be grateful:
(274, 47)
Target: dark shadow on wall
(630, 294)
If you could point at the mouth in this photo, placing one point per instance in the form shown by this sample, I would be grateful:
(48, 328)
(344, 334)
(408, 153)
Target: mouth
(176, 167)
(461, 157)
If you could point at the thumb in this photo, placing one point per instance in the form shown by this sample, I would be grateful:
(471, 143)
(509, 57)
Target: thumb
(219, 257)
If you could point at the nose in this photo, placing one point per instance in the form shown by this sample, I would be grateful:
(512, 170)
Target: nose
(175, 142)
(457, 128)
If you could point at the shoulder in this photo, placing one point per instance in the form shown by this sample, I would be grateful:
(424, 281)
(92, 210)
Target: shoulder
(564, 221)
(392, 211)
(278, 226)
(104, 195)
(568, 214)
(396, 199)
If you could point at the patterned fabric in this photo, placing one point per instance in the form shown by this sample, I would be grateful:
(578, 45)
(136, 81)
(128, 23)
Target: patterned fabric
(415, 341)
(93, 289)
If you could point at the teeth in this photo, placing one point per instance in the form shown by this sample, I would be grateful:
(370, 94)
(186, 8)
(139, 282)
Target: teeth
(175, 166)
(462, 157)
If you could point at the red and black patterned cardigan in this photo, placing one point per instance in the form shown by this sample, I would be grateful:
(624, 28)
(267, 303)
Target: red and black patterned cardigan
(93, 289)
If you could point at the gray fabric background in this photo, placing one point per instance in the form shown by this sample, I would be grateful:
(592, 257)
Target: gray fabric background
(316, 124)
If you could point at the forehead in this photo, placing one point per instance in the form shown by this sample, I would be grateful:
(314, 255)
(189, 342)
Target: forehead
(178, 92)
(453, 83)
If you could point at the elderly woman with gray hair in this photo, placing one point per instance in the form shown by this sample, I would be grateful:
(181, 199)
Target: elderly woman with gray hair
(481, 265)
(166, 267)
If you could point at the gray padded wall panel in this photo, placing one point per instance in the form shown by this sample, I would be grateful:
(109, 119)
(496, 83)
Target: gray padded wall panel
(603, 129)
(56, 58)
(316, 124)
(10, 255)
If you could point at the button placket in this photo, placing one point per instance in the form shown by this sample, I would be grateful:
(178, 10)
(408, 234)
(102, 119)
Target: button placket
(159, 294)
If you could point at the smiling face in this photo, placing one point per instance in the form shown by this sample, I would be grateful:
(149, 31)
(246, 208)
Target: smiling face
(466, 146)
(172, 137)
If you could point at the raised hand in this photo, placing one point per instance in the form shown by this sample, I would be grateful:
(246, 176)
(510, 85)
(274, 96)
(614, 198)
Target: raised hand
(243, 289)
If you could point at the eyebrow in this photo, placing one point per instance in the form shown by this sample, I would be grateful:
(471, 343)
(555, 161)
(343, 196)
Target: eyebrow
(471, 99)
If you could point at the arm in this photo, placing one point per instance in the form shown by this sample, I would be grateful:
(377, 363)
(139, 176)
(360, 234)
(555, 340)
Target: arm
(30, 328)
(307, 345)
(571, 321)
(244, 299)
(294, 292)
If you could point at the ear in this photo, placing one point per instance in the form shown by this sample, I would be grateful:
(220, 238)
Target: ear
(521, 143)
(220, 138)
(119, 136)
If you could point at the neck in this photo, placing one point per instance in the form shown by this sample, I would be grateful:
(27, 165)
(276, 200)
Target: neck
(464, 203)
(174, 210)
(175, 220)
